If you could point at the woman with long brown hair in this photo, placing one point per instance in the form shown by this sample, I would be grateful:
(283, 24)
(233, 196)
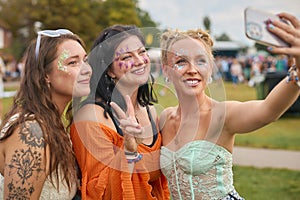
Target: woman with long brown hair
(36, 156)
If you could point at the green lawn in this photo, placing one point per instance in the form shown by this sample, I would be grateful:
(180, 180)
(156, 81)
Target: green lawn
(263, 184)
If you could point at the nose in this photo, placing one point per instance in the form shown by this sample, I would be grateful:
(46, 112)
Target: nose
(140, 59)
(192, 68)
(86, 68)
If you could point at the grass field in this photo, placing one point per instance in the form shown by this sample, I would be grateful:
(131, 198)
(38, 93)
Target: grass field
(265, 184)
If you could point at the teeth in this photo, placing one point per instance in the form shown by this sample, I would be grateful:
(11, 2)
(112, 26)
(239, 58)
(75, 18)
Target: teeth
(192, 82)
(139, 71)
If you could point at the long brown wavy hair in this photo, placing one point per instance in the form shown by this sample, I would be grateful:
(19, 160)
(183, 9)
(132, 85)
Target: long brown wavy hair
(33, 100)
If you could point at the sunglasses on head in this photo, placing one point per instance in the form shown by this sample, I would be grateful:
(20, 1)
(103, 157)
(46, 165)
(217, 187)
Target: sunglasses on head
(48, 33)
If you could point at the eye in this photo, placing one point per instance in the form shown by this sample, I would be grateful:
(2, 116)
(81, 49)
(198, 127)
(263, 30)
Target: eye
(85, 59)
(73, 62)
(201, 62)
(180, 64)
(142, 51)
(126, 57)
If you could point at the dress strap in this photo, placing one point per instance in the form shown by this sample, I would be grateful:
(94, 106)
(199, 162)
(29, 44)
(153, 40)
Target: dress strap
(153, 126)
(115, 121)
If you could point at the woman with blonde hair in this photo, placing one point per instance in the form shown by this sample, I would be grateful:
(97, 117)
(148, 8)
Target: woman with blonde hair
(198, 134)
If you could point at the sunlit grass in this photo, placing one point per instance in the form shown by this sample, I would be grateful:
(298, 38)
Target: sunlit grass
(267, 183)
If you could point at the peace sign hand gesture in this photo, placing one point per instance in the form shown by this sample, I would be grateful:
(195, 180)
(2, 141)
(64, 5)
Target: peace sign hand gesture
(131, 128)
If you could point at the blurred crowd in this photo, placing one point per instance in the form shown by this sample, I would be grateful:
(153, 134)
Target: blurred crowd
(250, 69)
(10, 69)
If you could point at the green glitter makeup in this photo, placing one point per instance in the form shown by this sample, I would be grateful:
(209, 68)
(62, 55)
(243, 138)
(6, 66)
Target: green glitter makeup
(64, 55)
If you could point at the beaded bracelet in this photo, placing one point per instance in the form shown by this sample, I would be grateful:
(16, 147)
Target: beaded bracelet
(137, 158)
(293, 76)
(128, 153)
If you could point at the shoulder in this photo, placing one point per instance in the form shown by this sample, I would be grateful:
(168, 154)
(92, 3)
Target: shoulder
(29, 133)
(25, 159)
(89, 112)
(166, 114)
(89, 118)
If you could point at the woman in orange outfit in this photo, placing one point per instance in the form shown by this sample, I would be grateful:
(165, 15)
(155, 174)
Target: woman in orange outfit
(116, 162)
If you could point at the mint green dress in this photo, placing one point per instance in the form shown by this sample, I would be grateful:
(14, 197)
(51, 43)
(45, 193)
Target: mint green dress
(199, 170)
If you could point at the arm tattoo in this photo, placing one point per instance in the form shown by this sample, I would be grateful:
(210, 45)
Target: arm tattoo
(19, 192)
(26, 163)
(32, 134)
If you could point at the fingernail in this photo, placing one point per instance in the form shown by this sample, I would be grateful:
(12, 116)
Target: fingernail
(268, 21)
(271, 26)
(270, 48)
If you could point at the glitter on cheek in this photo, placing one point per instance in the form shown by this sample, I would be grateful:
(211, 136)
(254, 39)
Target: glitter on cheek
(64, 55)
(121, 64)
(131, 64)
(146, 59)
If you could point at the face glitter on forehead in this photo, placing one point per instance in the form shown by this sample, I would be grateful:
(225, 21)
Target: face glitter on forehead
(181, 52)
(64, 55)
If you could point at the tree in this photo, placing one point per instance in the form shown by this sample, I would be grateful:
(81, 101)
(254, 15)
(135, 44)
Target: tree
(223, 37)
(122, 12)
(85, 18)
(206, 23)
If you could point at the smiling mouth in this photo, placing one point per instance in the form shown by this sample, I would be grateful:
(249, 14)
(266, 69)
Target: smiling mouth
(139, 71)
(192, 82)
(85, 81)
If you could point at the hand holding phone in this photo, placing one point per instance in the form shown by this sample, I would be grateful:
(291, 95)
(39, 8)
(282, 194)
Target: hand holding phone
(256, 28)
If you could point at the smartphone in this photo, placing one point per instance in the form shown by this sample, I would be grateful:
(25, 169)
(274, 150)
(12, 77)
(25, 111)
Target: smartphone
(256, 27)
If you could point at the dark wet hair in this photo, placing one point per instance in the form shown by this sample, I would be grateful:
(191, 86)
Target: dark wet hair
(101, 58)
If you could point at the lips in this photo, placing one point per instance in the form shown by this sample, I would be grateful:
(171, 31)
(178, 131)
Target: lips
(84, 81)
(139, 71)
(192, 82)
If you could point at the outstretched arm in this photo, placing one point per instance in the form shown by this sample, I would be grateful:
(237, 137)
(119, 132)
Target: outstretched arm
(248, 116)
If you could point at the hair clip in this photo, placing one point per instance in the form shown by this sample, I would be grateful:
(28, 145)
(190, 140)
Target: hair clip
(199, 35)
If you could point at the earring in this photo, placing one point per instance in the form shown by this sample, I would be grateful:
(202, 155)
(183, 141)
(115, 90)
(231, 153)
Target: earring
(210, 80)
(48, 84)
(167, 79)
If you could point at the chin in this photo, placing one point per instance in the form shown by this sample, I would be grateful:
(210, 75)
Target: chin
(81, 92)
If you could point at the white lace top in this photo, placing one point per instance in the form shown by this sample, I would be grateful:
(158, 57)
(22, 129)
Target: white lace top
(199, 170)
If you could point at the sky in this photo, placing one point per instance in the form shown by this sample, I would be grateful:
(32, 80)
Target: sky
(226, 16)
